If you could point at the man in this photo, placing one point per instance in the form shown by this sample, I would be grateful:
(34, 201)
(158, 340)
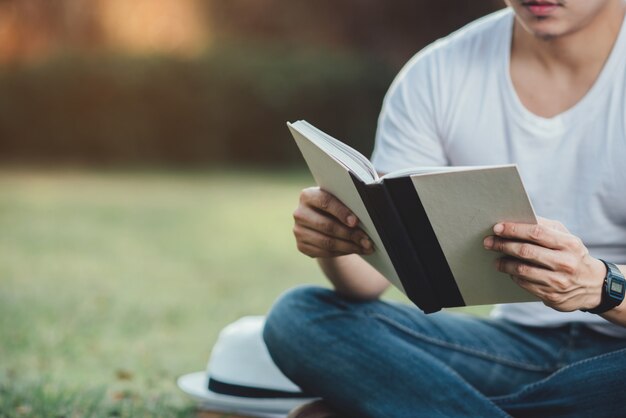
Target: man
(541, 84)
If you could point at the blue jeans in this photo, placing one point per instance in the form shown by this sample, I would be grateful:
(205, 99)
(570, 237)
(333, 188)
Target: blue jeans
(380, 359)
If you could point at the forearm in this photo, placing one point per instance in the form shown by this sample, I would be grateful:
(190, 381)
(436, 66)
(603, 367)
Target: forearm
(353, 277)
(617, 315)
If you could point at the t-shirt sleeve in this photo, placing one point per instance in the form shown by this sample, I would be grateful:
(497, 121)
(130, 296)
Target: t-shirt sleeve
(407, 134)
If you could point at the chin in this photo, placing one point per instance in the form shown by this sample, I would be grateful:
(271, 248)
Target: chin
(545, 35)
(546, 30)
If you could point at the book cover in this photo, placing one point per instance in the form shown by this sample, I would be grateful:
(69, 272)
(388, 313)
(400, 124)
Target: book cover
(427, 224)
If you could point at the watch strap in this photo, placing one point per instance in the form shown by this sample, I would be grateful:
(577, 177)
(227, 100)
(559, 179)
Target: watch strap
(609, 299)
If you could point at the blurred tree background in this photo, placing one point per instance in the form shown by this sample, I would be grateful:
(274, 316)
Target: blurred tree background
(117, 268)
(196, 82)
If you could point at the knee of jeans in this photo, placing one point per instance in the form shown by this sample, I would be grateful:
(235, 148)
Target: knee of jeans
(286, 325)
(292, 309)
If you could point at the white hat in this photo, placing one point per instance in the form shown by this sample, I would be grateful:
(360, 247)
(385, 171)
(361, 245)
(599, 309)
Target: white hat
(241, 376)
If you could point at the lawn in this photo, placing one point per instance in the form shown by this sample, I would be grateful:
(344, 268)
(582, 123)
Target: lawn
(114, 284)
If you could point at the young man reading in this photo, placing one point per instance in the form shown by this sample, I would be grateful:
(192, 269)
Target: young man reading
(541, 84)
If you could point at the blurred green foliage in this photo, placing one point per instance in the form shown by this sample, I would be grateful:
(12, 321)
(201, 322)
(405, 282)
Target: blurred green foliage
(228, 106)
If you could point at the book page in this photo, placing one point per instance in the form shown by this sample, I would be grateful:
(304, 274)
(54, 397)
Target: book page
(347, 156)
(440, 169)
(334, 177)
(463, 207)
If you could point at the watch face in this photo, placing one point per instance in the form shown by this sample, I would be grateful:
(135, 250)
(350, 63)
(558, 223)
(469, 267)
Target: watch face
(617, 287)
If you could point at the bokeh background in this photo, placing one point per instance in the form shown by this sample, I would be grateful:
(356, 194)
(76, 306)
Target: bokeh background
(147, 178)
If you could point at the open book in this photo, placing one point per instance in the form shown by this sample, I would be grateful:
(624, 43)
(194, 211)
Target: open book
(427, 224)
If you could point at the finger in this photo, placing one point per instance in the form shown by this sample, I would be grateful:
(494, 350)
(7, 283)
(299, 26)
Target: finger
(527, 285)
(327, 243)
(524, 251)
(330, 226)
(316, 252)
(331, 244)
(552, 224)
(328, 203)
(533, 288)
(529, 272)
(536, 233)
(560, 301)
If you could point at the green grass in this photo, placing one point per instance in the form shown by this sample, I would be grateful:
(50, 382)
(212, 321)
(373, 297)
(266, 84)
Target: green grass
(114, 284)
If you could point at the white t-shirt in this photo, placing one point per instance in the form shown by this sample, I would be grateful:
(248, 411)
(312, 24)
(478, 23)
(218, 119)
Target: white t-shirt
(454, 104)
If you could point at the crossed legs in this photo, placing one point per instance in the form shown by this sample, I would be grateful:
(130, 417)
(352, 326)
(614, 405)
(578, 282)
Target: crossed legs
(379, 359)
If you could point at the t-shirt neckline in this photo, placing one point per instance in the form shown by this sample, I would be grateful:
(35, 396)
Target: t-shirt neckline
(558, 121)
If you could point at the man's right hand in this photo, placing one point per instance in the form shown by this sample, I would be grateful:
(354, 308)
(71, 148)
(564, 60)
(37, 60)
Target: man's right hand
(325, 227)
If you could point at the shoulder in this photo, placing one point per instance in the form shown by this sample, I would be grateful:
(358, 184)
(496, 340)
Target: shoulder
(429, 92)
(475, 42)
(483, 32)
(460, 65)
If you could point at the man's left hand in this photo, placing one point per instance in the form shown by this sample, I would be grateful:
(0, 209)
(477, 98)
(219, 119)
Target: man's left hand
(549, 262)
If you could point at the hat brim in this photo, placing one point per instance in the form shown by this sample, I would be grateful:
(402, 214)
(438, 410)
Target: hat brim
(196, 386)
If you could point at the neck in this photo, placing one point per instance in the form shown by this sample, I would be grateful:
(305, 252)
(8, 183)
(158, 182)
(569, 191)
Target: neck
(591, 44)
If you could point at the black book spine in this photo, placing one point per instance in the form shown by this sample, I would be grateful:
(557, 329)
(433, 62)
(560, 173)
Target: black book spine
(424, 241)
(398, 245)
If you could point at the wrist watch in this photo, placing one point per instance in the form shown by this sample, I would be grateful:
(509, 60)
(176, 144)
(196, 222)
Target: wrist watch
(612, 291)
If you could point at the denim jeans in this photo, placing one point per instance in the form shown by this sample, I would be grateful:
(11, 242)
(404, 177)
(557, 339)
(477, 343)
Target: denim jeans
(380, 359)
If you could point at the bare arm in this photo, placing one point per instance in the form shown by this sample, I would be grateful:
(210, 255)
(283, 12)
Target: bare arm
(327, 230)
(353, 277)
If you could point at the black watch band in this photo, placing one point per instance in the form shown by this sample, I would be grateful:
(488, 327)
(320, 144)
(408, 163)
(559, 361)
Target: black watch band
(612, 291)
